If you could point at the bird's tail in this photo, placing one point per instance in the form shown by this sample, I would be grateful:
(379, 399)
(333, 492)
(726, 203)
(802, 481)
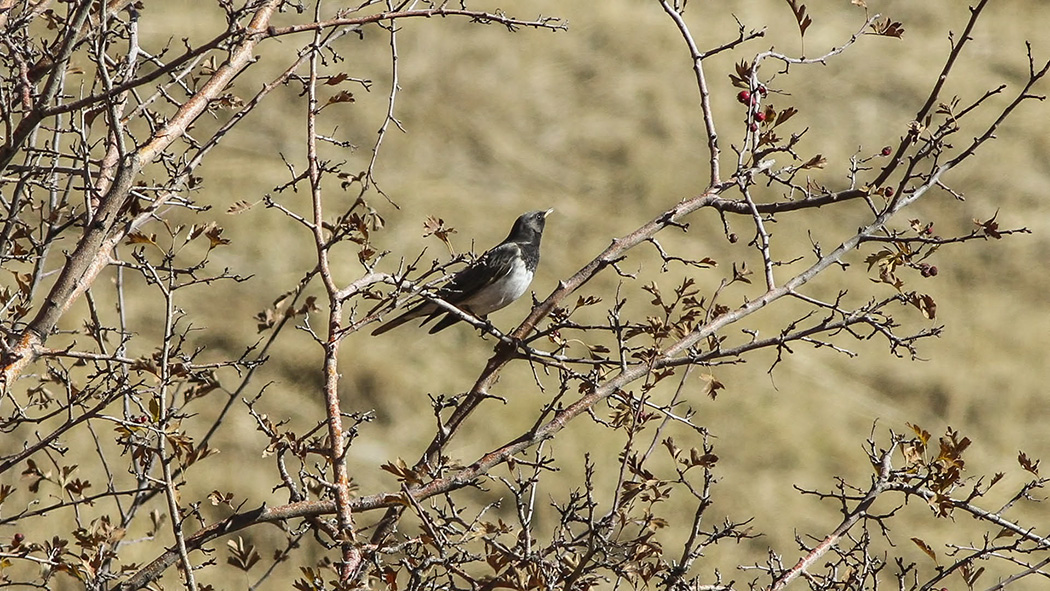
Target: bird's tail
(444, 323)
(391, 325)
(413, 313)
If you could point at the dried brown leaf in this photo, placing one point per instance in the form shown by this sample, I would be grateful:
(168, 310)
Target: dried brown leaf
(1027, 463)
(925, 548)
(888, 28)
(239, 207)
(337, 79)
(818, 161)
(711, 385)
(799, 10)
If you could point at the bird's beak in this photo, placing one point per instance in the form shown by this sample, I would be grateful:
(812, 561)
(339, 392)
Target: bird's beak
(548, 212)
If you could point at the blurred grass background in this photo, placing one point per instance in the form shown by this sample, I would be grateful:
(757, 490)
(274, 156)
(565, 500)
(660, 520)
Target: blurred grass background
(602, 123)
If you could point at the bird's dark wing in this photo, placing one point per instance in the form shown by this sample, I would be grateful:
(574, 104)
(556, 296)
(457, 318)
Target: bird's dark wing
(490, 268)
(494, 265)
(485, 271)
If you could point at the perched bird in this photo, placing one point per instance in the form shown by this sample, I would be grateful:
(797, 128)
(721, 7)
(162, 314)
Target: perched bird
(493, 281)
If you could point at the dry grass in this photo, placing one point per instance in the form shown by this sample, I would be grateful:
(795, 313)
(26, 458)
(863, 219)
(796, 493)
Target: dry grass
(601, 122)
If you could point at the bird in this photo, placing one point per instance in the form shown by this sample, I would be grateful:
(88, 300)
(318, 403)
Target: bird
(493, 281)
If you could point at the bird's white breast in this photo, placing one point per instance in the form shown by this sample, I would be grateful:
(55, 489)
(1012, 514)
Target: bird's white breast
(501, 293)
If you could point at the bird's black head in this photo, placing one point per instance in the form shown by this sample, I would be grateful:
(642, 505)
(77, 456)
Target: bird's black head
(529, 227)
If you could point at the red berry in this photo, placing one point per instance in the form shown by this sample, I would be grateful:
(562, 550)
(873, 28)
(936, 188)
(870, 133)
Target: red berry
(17, 539)
(887, 151)
(760, 116)
(744, 96)
(754, 127)
(927, 270)
(888, 191)
(762, 90)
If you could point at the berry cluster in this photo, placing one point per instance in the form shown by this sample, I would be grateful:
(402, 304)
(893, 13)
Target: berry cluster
(752, 100)
(745, 97)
